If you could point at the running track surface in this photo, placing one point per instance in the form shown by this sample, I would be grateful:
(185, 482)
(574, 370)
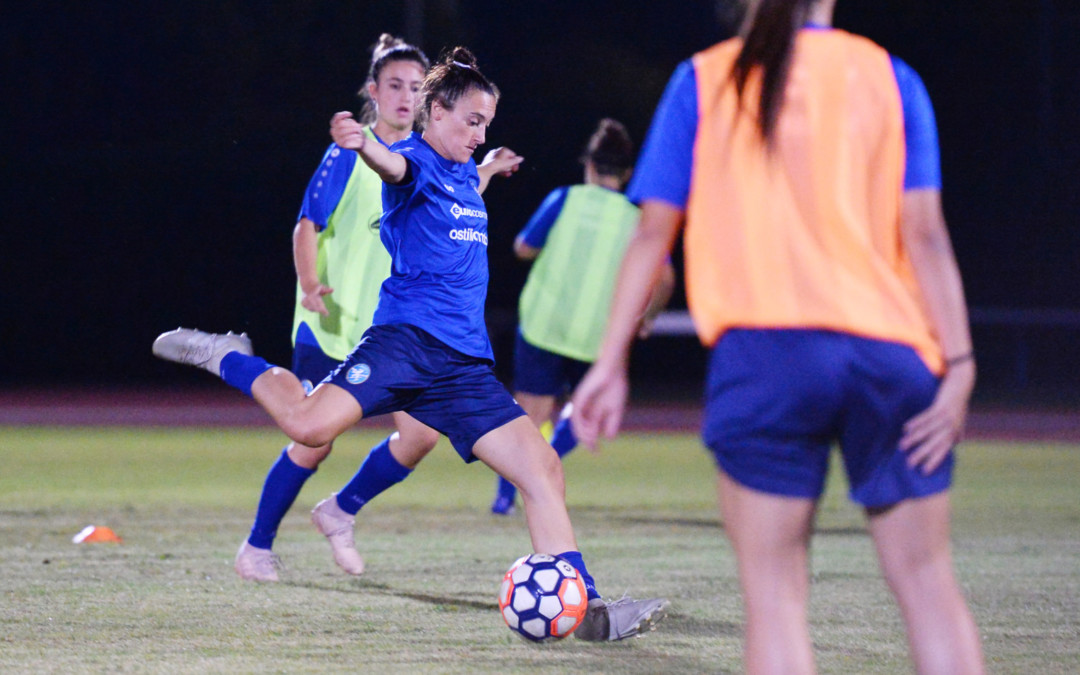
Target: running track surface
(223, 407)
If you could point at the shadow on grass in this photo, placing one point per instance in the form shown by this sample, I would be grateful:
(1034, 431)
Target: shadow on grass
(362, 586)
(673, 621)
(713, 524)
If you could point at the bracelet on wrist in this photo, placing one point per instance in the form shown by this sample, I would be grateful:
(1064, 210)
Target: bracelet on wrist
(960, 358)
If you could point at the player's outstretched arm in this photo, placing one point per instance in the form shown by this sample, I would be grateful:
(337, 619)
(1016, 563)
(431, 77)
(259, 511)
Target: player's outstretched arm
(930, 435)
(500, 161)
(349, 134)
(600, 399)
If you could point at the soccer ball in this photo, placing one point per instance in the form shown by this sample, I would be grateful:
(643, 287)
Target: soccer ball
(543, 597)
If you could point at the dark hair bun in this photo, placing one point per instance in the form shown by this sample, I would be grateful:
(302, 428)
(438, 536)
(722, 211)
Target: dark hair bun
(460, 56)
(610, 148)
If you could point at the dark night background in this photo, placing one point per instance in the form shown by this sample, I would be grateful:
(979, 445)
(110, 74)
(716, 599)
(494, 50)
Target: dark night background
(155, 155)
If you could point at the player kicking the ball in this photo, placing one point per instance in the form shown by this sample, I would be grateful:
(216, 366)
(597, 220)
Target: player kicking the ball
(427, 352)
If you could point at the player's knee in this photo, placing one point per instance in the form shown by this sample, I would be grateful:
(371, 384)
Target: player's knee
(309, 457)
(426, 439)
(546, 476)
(308, 430)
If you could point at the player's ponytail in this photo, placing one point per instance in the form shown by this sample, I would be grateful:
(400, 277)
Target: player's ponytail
(610, 149)
(454, 76)
(387, 49)
(768, 42)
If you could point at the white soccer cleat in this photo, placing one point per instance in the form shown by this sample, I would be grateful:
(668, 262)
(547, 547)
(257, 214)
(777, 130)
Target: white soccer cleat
(256, 564)
(337, 527)
(193, 347)
(620, 619)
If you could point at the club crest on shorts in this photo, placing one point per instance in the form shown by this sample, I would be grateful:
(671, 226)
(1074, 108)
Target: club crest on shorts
(358, 374)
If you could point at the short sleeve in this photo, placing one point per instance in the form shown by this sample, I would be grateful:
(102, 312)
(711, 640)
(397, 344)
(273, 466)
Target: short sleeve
(923, 156)
(536, 230)
(327, 186)
(663, 168)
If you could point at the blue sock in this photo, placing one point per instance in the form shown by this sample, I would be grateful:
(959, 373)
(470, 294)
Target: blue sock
(378, 472)
(563, 438)
(279, 492)
(240, 370)
(575, 559)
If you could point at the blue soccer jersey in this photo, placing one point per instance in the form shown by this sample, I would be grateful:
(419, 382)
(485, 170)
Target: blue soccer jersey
(435, 228)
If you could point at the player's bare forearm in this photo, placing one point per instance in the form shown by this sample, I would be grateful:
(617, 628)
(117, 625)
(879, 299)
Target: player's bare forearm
(600, 399)
(927, 242)
(349, 134)
(305, 253)
(641, 268)
(930, 435)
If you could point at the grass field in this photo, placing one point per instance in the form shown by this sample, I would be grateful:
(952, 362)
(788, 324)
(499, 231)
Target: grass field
(167, 599)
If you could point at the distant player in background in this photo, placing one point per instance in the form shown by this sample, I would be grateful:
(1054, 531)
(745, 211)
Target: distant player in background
(340, 265)
(804, 161)
(577, 238)
(427, 351)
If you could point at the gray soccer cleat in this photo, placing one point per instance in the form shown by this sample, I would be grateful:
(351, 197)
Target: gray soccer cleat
(193, 347)
(620, 619)
(256, 564)
(337, 526)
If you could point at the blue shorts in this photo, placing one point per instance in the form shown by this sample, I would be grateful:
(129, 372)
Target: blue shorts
(309, 362)
(401, 367)
(543, 373)
(776, 401)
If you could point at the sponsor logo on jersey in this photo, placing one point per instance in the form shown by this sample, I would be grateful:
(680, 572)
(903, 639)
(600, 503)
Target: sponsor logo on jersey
(358, 374)
(457, 211)
(448, 187)
(469, 234)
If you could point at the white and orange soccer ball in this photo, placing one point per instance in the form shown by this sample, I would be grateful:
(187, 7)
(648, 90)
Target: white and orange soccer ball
(543, 597)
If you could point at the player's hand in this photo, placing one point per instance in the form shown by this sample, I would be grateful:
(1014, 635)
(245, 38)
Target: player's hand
(502, 161)
(346, 131)
(929, 436)
(313, 300)
(599, 402)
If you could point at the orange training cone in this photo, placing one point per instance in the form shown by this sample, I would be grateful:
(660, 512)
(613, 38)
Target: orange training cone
(92, 534)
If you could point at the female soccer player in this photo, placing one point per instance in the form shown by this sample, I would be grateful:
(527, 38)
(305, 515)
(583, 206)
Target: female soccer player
(577, 238)
(427, 352)
(804, 161)
(340, 263)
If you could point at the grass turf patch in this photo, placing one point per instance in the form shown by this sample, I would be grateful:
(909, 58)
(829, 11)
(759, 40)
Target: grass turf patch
(167, 599)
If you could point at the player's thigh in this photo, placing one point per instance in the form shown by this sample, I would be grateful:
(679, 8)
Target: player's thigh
(762, 525)
(327, 412)
(911, 534)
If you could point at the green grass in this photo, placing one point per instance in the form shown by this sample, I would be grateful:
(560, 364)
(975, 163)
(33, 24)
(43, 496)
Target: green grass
(167, 600)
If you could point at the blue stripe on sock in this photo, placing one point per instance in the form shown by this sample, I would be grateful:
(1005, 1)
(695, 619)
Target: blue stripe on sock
(280, 489)
(378, 472)
(240, 370)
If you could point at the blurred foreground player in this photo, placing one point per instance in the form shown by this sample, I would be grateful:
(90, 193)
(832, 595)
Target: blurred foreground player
(804, 162)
